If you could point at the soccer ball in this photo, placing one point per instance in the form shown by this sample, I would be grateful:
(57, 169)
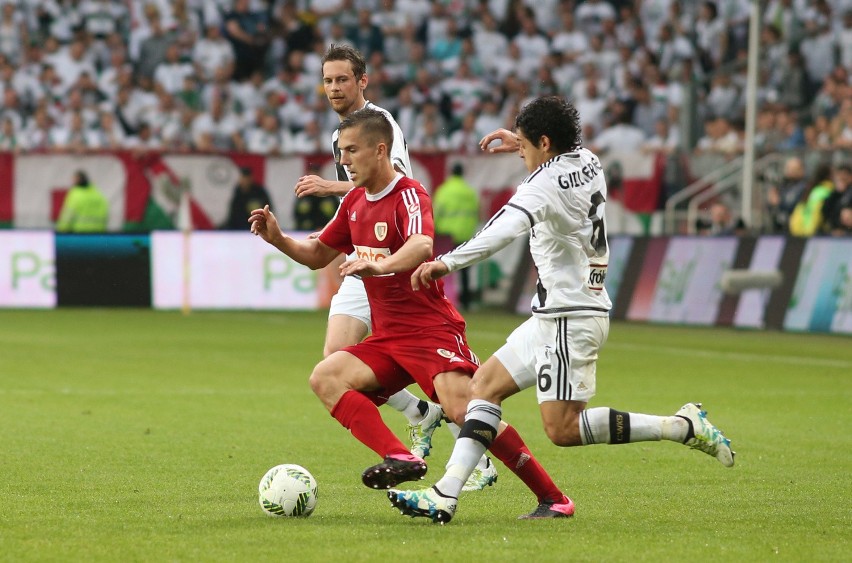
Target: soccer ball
(288, 490)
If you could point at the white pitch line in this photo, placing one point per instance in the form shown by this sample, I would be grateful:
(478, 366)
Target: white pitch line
(740, 356)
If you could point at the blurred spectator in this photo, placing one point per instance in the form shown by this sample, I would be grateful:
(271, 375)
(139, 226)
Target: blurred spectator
(429, 137)
(531, 42)
(782, 199)
(248, 195)
(665, 139)
(719, 137)
(109, 134)
(268, 137)
(14, 35)
(465, 139)
(712, 36)
(309, 140)
(819, 49)
(217, 129)
(85, 209)
(722, 221)
(170, 73)
(152, 49)
(405, 111)
(70, 62)
(794, 79)
(248, 33)
(456, 210)
(9, 138)
(591, 13)
(365, 35)
(312, 212)
(621, 136)
(837, 207)
(806, 219)
(841, 126)
(213, 52)
(145, 139)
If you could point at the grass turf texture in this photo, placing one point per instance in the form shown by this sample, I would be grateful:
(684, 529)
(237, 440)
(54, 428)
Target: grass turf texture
(141, 436)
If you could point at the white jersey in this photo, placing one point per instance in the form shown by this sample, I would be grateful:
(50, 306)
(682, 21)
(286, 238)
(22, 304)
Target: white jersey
(399, 150)
(561, 204)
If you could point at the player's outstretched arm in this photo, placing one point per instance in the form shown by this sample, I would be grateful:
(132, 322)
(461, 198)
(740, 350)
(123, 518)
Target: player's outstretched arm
(314, 185)
(509, 141)
(312, 253)
(426, 272)
(416, 249)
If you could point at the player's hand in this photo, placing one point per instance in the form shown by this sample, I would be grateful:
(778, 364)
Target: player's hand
(264, 224)
(361, 267)
(509, 140)
(427, 272)
(311, 185)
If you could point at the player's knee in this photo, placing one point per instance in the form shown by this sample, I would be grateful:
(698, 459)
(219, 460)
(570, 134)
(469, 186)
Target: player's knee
(323, 379)
(562, 435)
(455, 413)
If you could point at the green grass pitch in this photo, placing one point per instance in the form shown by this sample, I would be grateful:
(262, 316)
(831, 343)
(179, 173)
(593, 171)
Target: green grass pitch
(137, 435)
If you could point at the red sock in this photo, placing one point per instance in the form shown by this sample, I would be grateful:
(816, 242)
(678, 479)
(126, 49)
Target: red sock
(509, 448)
(361, 417)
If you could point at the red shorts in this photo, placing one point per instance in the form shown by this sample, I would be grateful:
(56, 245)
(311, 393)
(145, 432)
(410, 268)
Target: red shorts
(400, 360)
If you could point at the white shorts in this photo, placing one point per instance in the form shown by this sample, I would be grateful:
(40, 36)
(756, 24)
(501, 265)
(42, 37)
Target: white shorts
(351, 300)
(558, 355)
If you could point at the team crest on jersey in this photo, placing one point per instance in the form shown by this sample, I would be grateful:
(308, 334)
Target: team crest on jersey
(381, 230)
(446, 353)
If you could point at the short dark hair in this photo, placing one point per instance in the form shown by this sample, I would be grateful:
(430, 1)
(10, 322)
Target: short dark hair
(374, 124)
(346, 53)
(553, 117)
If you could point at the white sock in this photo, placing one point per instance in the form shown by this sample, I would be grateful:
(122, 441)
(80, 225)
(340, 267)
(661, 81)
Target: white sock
(603, 425)
(454, 430)
(406, 402)
(482, 420)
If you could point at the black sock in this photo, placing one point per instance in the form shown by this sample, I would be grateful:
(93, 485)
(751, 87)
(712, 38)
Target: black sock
(423, 407)
(690, 434)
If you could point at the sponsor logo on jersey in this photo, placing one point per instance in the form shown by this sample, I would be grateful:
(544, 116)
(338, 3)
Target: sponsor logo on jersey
(381, 230)
(352, 217)
(371, 254)
(597, 275)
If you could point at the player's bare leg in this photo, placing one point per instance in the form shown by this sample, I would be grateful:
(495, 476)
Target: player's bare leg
(423, 416)
(483, 429)
(343, 331)
(339, 382)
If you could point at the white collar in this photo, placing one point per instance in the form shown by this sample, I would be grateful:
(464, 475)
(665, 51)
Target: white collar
(384, 192)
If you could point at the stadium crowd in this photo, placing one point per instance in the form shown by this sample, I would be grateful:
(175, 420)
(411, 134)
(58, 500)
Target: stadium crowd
(244, 75)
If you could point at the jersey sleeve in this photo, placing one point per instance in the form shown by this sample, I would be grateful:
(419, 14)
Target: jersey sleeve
(414, 212)
(526, 208)
(399, 151)
(337, 233)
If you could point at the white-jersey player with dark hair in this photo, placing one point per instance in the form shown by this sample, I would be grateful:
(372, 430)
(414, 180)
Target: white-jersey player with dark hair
(344, 81)
(561, 206)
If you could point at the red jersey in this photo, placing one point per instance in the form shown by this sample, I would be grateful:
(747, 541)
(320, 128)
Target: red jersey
(376, 226)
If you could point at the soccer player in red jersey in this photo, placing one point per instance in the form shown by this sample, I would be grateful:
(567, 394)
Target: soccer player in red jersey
(417, 336)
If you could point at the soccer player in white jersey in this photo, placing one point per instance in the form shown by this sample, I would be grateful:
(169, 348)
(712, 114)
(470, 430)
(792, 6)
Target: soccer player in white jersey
(349, 321)
(561, 205)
